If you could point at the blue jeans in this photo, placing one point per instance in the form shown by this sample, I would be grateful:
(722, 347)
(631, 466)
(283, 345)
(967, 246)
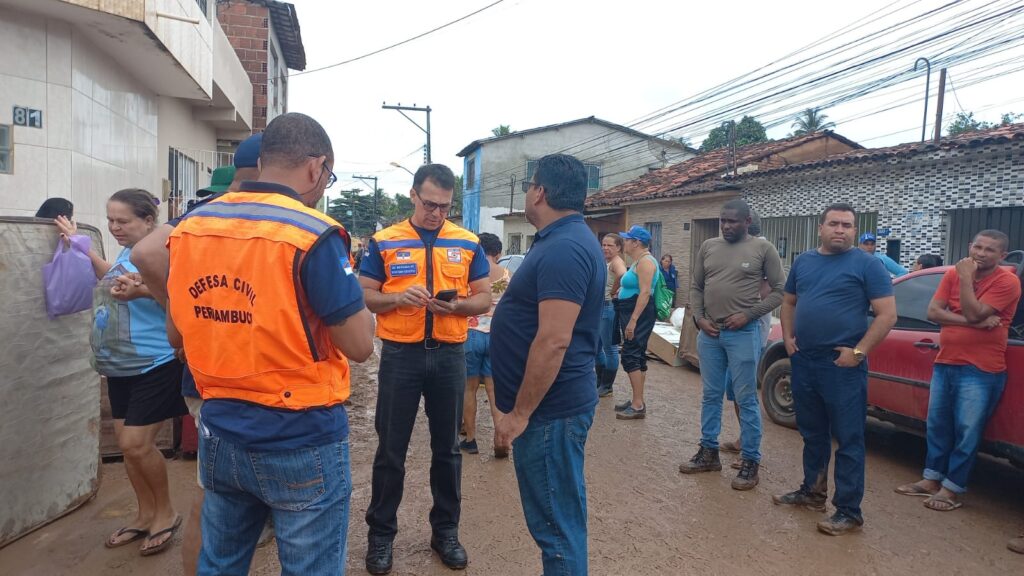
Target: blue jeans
(960, 402)
(733, 354)
(831, 402)
(607, 351)
(305, 490)
(549, 467)
(478, 354)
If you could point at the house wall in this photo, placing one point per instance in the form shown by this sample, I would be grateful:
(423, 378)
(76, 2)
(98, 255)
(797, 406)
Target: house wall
(912, 195)
(247, 26)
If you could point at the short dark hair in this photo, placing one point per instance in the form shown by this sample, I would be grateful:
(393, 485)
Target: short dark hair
(439, 174)
(564, 179)
(742, 208)
(929, 260)
(995, 235)
(53, 207)
(838, 207)
(490, 243)
(669, 256)
(292, 138)
(142, 203)
(755, 224)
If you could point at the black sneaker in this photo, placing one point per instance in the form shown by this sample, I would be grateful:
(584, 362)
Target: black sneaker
(469, 446)
(839, 524)
(604, 392)
(452, 554)
(631, 413)
(623, 406)
(747, 478)
(378, 556)
(705, 460)
(809, 500)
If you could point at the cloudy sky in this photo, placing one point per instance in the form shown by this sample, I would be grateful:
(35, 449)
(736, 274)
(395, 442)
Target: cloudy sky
(529, 63)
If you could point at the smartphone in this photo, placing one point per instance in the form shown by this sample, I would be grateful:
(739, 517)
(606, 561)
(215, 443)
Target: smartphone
(447, 295)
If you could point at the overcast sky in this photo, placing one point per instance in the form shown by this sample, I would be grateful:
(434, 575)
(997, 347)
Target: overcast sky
(529, 63)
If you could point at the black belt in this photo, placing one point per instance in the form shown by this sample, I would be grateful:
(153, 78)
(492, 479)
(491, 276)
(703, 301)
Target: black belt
(427, 343)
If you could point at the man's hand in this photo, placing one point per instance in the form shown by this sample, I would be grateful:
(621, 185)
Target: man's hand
(708, 327)
(966, 268)
(414, 296)
(989, 323)
(791, 347)
(509, 427)
(441, 307)
(630, 329)
(736, 321)
(846, 358)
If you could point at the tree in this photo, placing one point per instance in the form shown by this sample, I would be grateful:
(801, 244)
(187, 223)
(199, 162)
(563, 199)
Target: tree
(811, 120)
(965, 122)
(748, 131)
(457, 197)
(502, 130)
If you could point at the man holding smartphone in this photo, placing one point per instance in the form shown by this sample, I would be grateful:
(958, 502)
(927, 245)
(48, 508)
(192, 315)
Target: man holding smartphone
(423, 277)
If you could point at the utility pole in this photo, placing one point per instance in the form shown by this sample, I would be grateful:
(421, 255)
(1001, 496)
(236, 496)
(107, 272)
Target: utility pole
(938, 110)
(927, 83)
(401, 110)
(511, 192)
(375, 191)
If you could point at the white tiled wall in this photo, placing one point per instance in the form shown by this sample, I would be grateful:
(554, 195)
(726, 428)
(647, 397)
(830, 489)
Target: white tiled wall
(99, 124)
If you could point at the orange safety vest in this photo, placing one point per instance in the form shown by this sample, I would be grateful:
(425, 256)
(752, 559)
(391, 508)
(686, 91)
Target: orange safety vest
(408, 262)
(235, 295)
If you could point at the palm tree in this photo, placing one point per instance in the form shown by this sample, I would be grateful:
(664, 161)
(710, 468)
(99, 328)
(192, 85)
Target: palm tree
(811, 120)
(502, 130)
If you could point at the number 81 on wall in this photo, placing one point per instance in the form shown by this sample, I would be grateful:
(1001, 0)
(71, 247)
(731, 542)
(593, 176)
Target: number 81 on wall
(28, 117)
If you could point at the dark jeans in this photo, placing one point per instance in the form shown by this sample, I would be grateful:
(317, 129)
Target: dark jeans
(831, 402)
(634, 352)
(408, 371)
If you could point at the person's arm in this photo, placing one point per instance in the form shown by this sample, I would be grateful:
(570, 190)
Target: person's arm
(776, 278)
(892, 266)
(645, 271)
(151, 256)
(939, 312)
(479, 301)
(69, 228)
(336, 298)
(556, 319)
(173, 334)
(354, 336)
(697, 296)
(974, 309)
(885, 318)
(372, 278)
(617, 269)
(788, 317)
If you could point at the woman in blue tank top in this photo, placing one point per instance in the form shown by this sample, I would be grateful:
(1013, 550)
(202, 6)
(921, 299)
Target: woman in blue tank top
(636, 316)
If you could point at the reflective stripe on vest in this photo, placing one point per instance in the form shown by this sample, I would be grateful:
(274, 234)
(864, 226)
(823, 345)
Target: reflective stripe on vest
(235, 294)
(405, 264)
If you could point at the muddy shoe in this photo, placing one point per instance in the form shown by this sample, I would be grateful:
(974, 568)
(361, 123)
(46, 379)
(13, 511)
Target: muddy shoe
(801, 498)
(451, 552)
(840, 524)
(1016, 545)
(603, 391)
(747, 478)
(631, 413)
(469, 446)
(705, 460)
(378, 556)
(623, 405)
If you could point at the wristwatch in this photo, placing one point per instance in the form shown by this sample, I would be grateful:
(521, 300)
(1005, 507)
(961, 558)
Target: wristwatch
(859, 354)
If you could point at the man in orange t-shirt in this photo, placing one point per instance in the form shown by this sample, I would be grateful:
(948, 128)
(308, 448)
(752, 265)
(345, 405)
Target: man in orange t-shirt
(974, 304)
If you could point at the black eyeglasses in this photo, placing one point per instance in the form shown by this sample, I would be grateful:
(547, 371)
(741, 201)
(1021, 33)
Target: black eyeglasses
(331, 178)
(431, 206)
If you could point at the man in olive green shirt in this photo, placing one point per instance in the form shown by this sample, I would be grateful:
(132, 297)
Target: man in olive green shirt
(726, 303)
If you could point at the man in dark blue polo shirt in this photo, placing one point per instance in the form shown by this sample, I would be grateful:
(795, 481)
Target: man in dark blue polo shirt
(544, 335)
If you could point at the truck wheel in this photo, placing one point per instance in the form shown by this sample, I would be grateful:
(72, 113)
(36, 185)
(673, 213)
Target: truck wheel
(777, 395)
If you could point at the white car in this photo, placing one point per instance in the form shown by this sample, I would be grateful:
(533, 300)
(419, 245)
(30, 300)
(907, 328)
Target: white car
(511, 262)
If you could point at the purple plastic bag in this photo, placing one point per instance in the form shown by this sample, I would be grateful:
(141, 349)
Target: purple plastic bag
(69, 278)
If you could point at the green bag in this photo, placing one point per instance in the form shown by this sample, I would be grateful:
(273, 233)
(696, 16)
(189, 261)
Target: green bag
(662, 298)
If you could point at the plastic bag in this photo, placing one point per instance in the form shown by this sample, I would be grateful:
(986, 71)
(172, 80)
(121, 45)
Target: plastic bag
(69, 278)
(662, 298)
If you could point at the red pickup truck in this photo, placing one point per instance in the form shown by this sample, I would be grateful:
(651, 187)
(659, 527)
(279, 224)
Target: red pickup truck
(900, 369)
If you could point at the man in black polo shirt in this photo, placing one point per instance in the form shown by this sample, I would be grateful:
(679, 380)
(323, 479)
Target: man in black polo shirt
(544, 337)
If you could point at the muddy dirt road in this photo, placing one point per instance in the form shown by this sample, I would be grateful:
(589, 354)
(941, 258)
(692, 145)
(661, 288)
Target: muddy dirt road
(645, 517)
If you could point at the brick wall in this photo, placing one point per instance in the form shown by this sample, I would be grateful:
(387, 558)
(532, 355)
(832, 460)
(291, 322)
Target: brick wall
(247, 27)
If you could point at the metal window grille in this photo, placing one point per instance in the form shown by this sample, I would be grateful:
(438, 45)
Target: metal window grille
(655, 229)
(6, 150)
(189, 171)
(515, 244)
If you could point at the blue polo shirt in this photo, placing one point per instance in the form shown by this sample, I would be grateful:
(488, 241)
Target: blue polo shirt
(334, 294)
(564, 263)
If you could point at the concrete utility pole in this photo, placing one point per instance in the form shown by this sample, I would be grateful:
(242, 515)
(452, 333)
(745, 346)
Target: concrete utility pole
(927, 82)
(401, 110)
(938, 110)
(374, 178)
(511, 192)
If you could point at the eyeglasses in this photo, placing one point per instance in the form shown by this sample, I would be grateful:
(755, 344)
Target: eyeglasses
(431, 206)
(331, 178)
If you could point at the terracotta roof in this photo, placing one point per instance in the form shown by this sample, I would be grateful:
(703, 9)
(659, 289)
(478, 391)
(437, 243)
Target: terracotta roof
(974, 139)
(702, 172)
(588, 120)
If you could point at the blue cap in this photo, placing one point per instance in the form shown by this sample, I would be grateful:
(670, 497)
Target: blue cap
(248, 152)
(637, 232)
(867, 237)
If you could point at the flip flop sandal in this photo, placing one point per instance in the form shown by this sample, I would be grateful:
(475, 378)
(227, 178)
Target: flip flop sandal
(166, 543)
(136, 533)
(913, 490)
(950, 505)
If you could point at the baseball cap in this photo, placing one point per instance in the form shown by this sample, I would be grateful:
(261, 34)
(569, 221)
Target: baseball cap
(248, 152)
(220, 180)
(637, 232)
(867, 237)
